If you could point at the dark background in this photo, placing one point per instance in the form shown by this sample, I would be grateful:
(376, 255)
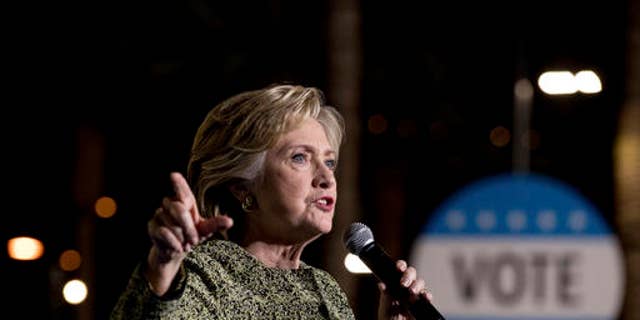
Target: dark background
(134, 80)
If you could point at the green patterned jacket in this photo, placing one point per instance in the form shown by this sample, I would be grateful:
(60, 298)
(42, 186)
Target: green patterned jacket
(221, 280)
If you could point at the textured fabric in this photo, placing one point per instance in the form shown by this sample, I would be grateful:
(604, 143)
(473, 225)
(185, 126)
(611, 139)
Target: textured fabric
(223, 281)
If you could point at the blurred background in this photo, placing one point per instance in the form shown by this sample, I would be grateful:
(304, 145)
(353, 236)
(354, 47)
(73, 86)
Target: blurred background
(102, 99)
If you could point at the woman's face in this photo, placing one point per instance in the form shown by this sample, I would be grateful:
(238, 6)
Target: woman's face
(297, 195)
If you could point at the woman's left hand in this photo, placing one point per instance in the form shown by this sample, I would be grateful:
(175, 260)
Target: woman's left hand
(390, 308)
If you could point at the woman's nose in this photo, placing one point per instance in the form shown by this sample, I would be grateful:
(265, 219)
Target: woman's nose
(324, 178)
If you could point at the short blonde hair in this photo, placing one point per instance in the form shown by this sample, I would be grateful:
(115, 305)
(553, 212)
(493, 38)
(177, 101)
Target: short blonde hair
(232, 141)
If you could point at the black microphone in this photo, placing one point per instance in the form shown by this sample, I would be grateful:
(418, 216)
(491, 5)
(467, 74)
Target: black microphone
(358, 238)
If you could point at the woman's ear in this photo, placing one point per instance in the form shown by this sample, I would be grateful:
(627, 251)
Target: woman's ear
(239, 190)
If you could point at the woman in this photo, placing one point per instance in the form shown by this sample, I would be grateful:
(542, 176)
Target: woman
(262, 177)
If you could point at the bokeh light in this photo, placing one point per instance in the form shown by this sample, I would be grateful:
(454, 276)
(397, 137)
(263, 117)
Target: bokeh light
(377, 124)
(355, 265)
(75, 291)
(70, 260)
(105, 207)
(25, 248)
(500, 136)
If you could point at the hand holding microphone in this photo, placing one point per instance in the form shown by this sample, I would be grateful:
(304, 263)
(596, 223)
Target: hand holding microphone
(358, 238)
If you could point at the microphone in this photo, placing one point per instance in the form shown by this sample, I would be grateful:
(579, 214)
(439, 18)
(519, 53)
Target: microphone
(358, 238)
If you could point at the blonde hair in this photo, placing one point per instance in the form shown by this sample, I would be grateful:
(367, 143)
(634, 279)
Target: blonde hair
(232, 141)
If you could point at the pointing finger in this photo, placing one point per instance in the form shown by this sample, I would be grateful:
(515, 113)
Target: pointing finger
(183, 191)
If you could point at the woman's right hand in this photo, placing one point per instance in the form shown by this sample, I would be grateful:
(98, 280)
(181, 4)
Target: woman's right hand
(176, 227)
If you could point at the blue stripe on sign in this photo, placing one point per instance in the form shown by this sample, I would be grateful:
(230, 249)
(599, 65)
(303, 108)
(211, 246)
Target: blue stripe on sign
(531, 205)
(454, 317)
(538, 238)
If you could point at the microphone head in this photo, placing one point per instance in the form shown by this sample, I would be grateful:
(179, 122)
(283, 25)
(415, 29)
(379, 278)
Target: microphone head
(356, 237)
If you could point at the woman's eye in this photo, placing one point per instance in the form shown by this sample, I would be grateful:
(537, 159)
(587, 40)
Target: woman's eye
(298, 158)
(331, 164)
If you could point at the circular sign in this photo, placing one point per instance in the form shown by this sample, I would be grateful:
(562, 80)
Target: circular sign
(520, 247)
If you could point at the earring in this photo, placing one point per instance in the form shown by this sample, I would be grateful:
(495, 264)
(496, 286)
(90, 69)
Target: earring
(247, 204)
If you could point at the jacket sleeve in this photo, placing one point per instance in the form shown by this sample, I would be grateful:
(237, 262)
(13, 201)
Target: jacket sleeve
(139, 302)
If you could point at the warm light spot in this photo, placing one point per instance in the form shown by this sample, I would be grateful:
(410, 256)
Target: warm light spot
(564, 82)
(588, 81)
(74, 291)
(557, 82)
(70, 260)
(523, 89)
(355, 265)
(500, 136)
(25, 248)
(628, 156)
(105, 207)
(377, 124)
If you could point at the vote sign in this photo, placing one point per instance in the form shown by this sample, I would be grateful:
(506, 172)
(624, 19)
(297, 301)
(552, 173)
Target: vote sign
(520, 247)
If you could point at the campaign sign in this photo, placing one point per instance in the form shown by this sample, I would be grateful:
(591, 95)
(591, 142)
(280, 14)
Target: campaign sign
(523, 247)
